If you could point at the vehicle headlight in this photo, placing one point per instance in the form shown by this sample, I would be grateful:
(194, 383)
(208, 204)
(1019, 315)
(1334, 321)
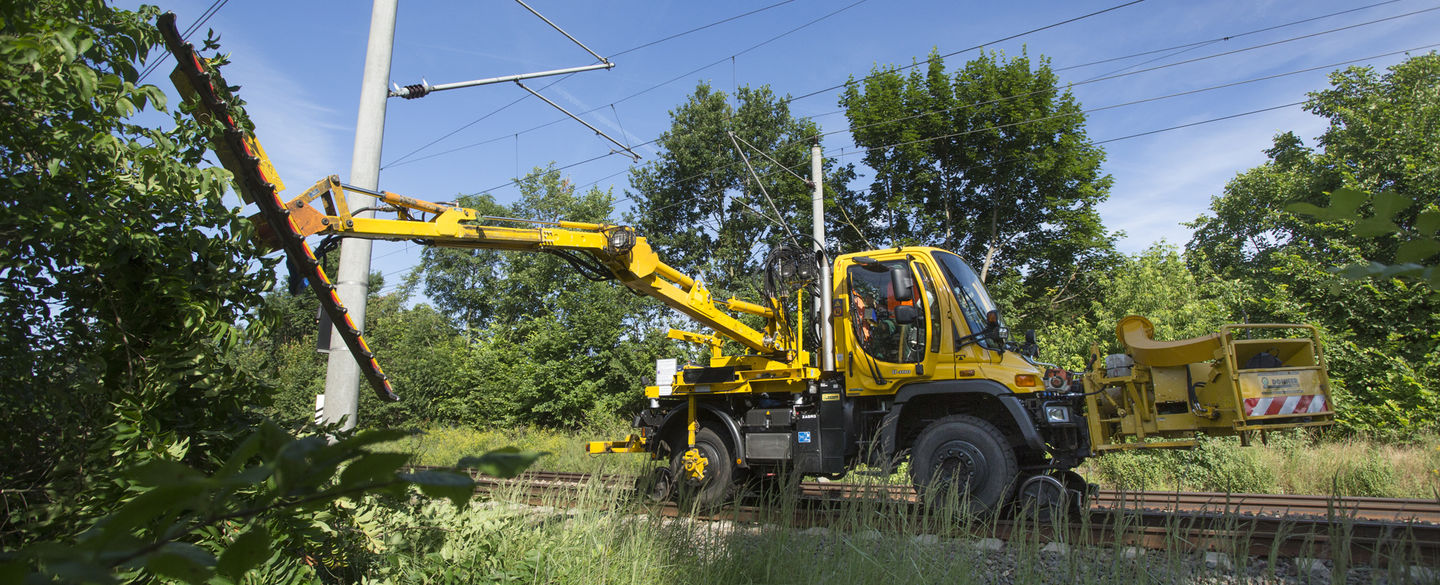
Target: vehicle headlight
(1056, 413)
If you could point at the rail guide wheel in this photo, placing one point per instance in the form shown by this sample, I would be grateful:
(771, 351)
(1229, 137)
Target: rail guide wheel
(703, 476)
(656, 486)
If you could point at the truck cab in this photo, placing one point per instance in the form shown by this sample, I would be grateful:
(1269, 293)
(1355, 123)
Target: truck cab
(926, 361)
(923, 372)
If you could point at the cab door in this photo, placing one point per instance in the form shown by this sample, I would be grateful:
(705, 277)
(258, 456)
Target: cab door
(889, 334)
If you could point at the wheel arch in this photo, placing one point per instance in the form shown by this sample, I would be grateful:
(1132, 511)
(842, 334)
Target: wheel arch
(985, 399)
(674, 422)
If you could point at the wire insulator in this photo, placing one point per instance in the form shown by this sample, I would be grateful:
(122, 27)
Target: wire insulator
(416, 91)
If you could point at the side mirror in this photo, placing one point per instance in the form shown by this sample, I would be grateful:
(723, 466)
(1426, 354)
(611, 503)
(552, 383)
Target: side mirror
(1031, 348)
(903, 284)
(906, 314)
(993, 329)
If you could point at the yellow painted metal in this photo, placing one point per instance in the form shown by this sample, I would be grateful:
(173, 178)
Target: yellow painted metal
(1162, 398)
(1180, 444)
(693, 461)
(1137, 333)
(940, 360)
(631, 444)
(694, 464)
(638, 268)
(692, 425)
(714, 343)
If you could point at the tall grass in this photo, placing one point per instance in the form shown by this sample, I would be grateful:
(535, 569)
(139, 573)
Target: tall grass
(604, 536)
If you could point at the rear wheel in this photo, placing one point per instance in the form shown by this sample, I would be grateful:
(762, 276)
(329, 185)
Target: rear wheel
(964, 458)
(713, 486)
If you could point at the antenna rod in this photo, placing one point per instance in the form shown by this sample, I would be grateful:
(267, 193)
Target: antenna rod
(424, 88)
(562, 31)
(577, 119)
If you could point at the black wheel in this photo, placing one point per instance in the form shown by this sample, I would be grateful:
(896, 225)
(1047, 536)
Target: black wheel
(713, 487)
(1043, 498)
(656, 486)
(966, 458)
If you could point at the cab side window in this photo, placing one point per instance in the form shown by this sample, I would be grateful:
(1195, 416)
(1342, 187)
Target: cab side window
(885, 326)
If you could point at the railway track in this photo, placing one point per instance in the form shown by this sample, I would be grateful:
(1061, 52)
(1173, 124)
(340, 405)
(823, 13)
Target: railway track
(1370, 530)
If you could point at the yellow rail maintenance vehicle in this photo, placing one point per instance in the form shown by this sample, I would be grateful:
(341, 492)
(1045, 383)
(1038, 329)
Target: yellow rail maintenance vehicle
(922, 366)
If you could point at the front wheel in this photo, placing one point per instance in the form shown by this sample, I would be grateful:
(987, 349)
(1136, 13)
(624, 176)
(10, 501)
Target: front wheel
(966, 458)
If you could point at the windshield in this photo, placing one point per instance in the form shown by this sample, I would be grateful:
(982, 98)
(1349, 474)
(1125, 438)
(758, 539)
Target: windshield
(968, 291)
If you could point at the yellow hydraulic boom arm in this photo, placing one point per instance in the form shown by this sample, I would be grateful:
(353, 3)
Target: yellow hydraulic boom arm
(626, 256)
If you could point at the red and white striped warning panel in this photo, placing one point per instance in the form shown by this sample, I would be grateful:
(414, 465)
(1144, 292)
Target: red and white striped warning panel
(1296, 404)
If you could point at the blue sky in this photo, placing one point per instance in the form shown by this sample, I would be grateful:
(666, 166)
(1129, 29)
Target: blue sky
(299, 66)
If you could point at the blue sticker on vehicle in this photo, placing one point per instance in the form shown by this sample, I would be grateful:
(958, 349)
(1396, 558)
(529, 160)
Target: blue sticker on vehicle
(802, 437)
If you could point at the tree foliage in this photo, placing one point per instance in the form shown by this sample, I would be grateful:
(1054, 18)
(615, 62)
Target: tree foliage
(1155, 283)
(703, 210)
(546, 345)
(991, 162)
(1264, 232)
(271, 493)
(126, 279)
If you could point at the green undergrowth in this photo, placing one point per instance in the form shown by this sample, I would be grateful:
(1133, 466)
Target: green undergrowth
(1286, 463)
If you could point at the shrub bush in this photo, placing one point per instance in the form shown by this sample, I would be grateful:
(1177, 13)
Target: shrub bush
(1371, 475)
(1223, 465)
(1135, 470)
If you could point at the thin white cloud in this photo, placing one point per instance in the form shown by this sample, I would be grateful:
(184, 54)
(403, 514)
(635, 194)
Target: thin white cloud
(1169, 179)
(304, 136)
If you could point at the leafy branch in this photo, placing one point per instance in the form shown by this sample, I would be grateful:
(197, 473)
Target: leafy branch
(269, 477)
(1418, 238)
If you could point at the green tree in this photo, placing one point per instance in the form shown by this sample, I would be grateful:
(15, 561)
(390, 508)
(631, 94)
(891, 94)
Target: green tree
(1156, 284)
(702, 209)
(992, 163)
(124, 280)
(548, 346)
(1380, 334)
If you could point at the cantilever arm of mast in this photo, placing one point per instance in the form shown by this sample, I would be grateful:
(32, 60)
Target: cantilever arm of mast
(629, 258)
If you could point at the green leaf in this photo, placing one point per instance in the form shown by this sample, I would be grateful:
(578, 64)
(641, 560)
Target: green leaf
(13, 571)
(1428, 222)
(1388, 204)
(1371, 227)
(247, 449)
(147, 507)
(1417, 250)
(1362, 271)
(504, 462)
(183, 561)
(248, 550)
(454, 485)
(78, 571)
(373, 467)
(162, 472)
(1344, 202)
(1309, 209)
(375, 436)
